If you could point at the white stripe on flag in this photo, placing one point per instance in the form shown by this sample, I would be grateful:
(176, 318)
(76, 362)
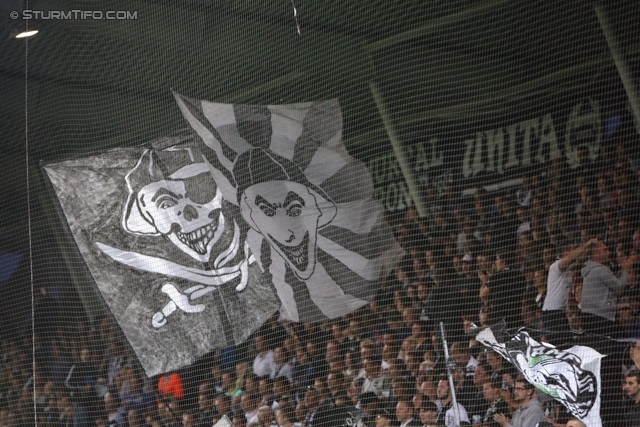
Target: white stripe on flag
(358, 217)
(208, 138)
(324, 164)
(288, 306)
(335, 141)
(221, 116)
(286, 128)
(360, 265)
(329, 296)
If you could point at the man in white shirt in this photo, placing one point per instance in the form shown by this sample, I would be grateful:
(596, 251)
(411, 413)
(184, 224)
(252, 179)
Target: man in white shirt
(376, 380)
(249, 405)
(282, 367)
(554, 315)
(263, 364)
(116, 413)
(445, 405)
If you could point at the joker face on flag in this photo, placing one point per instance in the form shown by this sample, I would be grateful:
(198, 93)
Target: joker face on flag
(283, 206)
(315, 229)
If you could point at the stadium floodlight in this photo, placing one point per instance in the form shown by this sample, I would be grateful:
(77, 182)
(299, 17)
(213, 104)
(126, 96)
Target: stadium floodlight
(26, 34)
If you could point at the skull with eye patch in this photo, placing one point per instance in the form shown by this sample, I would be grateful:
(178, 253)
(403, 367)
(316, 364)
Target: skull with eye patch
(184, 205)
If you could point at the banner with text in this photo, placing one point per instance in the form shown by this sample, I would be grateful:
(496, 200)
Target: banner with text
(483, 149)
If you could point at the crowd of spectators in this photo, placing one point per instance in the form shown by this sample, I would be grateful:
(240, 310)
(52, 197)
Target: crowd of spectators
(557, 255)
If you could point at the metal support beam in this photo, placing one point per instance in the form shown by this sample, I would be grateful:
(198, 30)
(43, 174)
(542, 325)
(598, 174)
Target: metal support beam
(409, 176)
(618, 57)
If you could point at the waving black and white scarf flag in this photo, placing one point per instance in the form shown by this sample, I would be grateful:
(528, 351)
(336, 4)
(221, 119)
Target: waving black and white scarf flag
(315, 229)
(572, 377)
(165, 249)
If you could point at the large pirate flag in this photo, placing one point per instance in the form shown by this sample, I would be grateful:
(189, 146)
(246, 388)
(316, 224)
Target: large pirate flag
(194, 241)
(572, 376)
(165, 250)
(314, 227)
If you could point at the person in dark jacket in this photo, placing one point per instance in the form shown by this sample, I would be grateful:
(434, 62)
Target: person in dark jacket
(80, 382)
(207, 407)
(632, 389)
(440, 309)
(504, 285)
(491, 393)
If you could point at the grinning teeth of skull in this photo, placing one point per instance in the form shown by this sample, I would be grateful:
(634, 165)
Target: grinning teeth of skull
(199, 239)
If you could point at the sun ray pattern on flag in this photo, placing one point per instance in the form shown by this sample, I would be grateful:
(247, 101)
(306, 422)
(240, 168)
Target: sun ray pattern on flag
(316, 230)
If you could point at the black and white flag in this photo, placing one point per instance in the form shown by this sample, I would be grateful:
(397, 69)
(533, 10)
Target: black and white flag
(314, 227)
(572, 376)
(165, 249)
(194, 241)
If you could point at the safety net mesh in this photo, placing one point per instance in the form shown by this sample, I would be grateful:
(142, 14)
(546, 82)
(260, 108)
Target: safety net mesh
(319, 213)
